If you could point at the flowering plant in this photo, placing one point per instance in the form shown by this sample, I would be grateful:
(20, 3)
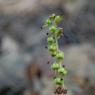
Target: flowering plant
(54, 33)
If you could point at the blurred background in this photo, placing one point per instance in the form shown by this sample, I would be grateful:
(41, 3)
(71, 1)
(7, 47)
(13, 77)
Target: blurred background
(23, 57)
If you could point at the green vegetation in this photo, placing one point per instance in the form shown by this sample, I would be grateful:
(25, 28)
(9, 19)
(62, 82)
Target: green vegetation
(54, 33)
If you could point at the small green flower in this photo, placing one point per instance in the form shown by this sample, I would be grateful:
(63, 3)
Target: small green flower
(57, 19)
(55, 66)
(60, 55)
(53, 53)
(58, 81)
(48, 22)
(62, 71)
(50, 40)
(52, 48)
(58, 32)
(52, 17)
(52, 29)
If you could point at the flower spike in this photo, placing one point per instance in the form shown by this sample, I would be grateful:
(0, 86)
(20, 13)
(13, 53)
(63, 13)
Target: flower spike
(54, 33)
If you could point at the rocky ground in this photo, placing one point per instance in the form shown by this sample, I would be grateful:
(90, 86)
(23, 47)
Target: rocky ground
(22, 42)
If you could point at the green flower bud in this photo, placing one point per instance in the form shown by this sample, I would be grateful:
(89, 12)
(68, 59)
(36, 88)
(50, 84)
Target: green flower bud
(50, 40)
(52, 29)
(52, 48)
(60, 55)
(58, 81)
(48, 22)
(58, 32)
(53, 53)
(55, 66)
(57, 19)
(62, 71)
(52, 17)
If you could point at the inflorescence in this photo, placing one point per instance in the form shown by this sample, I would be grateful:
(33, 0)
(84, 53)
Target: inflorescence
(54, 33)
